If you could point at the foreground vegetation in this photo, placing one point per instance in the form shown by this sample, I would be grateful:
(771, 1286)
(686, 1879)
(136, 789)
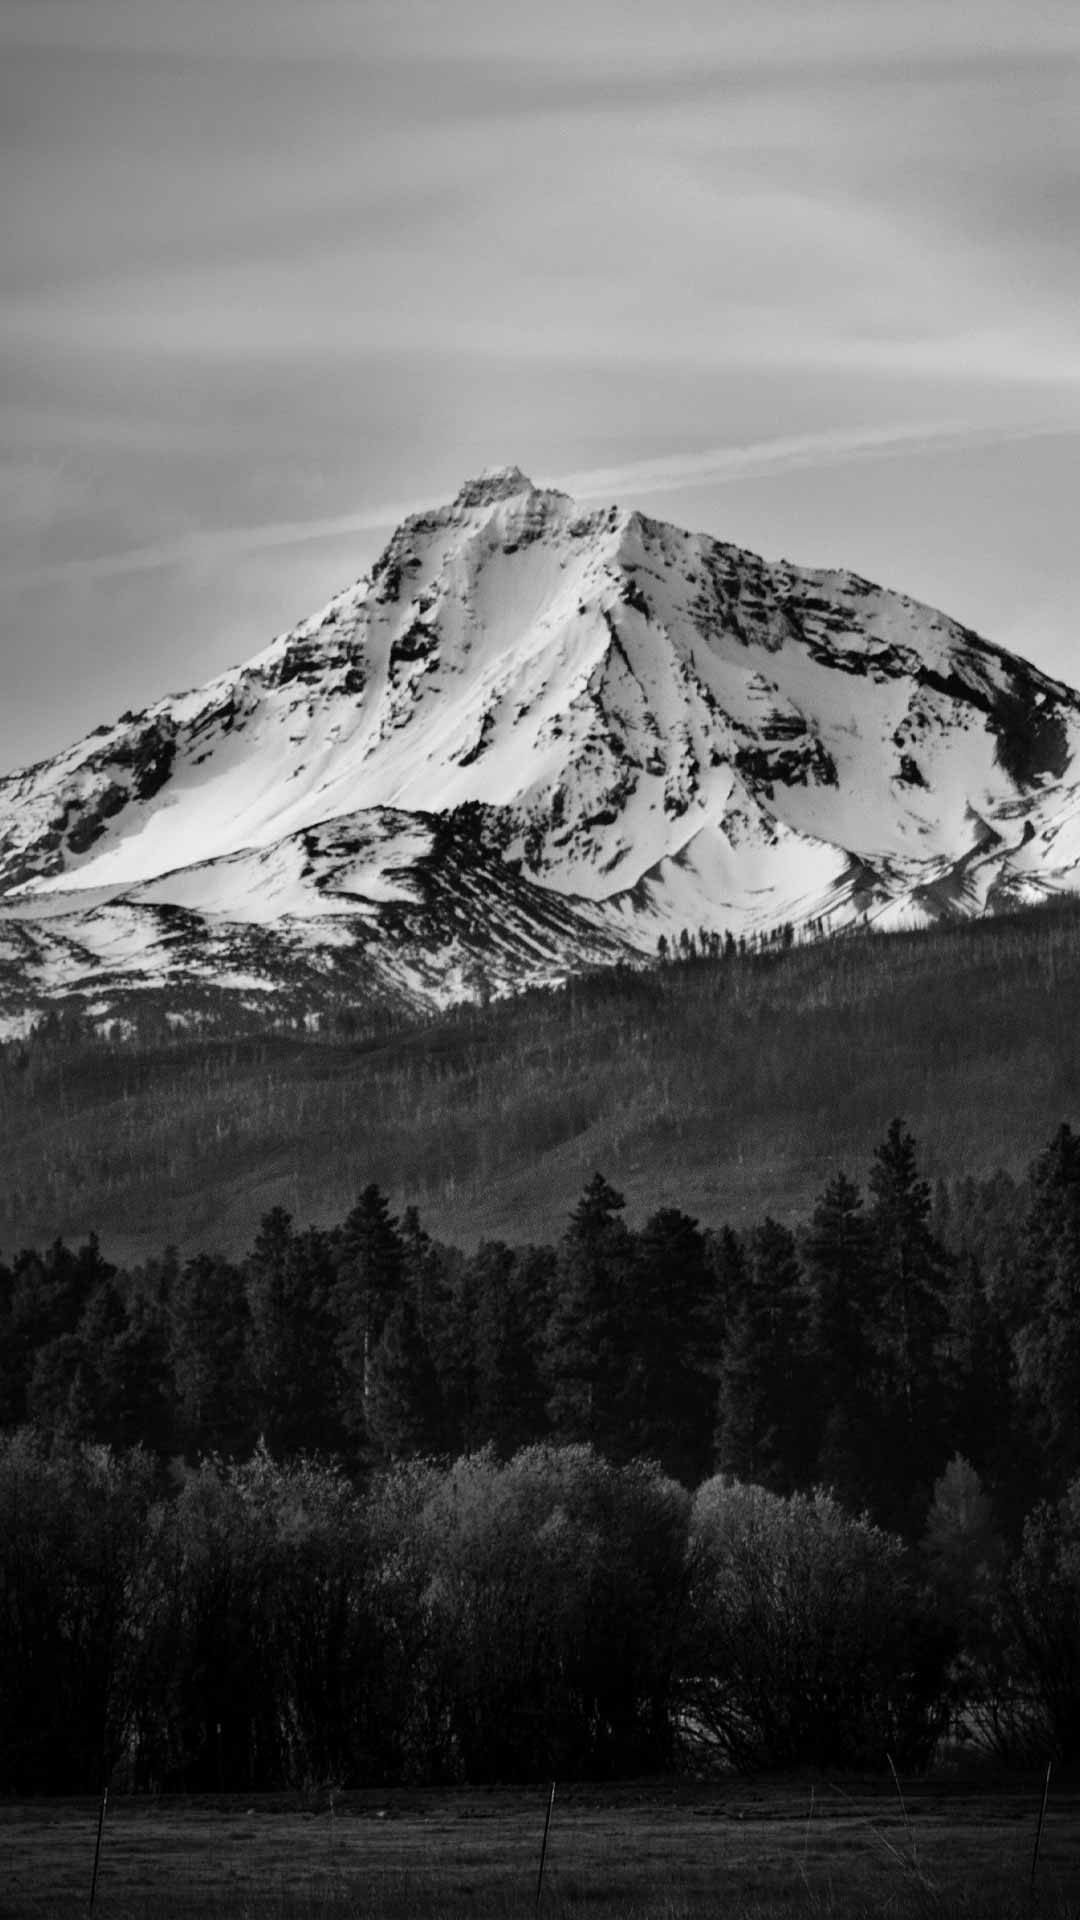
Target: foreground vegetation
(733, 1085)
(364, 1508)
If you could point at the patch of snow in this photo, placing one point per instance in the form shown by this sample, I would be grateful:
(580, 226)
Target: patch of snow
(661, 731)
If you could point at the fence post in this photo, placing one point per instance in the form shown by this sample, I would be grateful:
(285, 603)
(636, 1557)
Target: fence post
(97, 1849)
(543, 1849)
(1042, 1817)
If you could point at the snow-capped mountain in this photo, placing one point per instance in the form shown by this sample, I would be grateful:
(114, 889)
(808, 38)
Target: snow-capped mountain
(538, 738)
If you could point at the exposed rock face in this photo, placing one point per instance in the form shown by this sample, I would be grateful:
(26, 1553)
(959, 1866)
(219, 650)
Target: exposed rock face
(535, 740)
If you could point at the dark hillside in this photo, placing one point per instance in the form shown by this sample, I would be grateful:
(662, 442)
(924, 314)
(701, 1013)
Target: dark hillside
(731, 1086)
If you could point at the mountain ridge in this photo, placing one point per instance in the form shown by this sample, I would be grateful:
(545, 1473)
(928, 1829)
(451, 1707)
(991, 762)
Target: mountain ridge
(648, 728)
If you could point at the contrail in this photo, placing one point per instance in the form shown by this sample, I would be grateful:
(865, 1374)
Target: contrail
(667, 474)
(191, 548)
(790, 452)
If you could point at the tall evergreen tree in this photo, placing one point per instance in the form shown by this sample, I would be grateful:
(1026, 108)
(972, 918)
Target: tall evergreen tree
(590, 1334)
(510, 1399)
(841, 1272)
(101, 1328)
(403, 1411)
(912, 1322)
(728, 1264)
(48, 1293)
(269, 1299)
(1047, 1339)
(765, 1408)
(978, 1372)
(669, 1406)
(135, 1404)
(423, 1266)
(12, 1387)
(288, 1279)
(208, 1349)
(450, 1322)
(59, 1397)
(369, 1284)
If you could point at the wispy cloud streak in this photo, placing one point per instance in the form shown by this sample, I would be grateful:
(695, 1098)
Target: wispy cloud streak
(790, 453)
(197, 549)
(669, 473)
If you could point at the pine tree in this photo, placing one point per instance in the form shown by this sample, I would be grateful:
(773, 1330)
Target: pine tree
(59, 1400)
(12, 1392)
(728, 1265)
(48, 1293)
(669, 1404)
(841, 1271)
(911, 1268)
(453, 1350)
(403, 1413)
(102, 1326)
(765, 1407)
(49, 1370)
(369, 1284)
(288, 1278)
(136, 1398)
(208, 1348)
(913, 1271)
(268, 1298)
(589, 1335)
(977, 1373)
(510, 1410)
(1047, 1340)
(422, 1271)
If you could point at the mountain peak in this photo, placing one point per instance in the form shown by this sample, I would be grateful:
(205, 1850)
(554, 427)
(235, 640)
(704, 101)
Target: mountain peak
(535, 740)
(495, 483)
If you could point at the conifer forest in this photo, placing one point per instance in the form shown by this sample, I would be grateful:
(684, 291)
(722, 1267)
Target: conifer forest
(361, 1504)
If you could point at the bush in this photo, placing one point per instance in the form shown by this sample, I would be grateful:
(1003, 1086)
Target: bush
(809, 1642)
(1043, 1612)
(263, 1659)
(554, 1584)
(72, 1522)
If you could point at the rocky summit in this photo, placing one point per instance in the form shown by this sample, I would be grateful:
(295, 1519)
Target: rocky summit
(538, 738)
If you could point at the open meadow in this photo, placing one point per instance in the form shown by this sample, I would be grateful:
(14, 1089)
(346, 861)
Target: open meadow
(665, 1849)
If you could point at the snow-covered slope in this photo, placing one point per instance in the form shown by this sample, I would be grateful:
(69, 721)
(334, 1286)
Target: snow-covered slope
(535, 740)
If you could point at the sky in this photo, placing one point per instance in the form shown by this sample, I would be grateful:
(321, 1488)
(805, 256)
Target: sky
(803, 273)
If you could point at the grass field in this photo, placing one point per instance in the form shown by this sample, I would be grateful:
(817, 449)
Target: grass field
(672, 1850)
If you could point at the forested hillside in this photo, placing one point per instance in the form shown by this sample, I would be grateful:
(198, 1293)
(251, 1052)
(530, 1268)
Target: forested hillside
(734, 1084)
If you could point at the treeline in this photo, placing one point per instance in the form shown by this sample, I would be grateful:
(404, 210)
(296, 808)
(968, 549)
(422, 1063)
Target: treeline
(894, 1329)
(253, 1624)
(364, 1506)
(258, 1623)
